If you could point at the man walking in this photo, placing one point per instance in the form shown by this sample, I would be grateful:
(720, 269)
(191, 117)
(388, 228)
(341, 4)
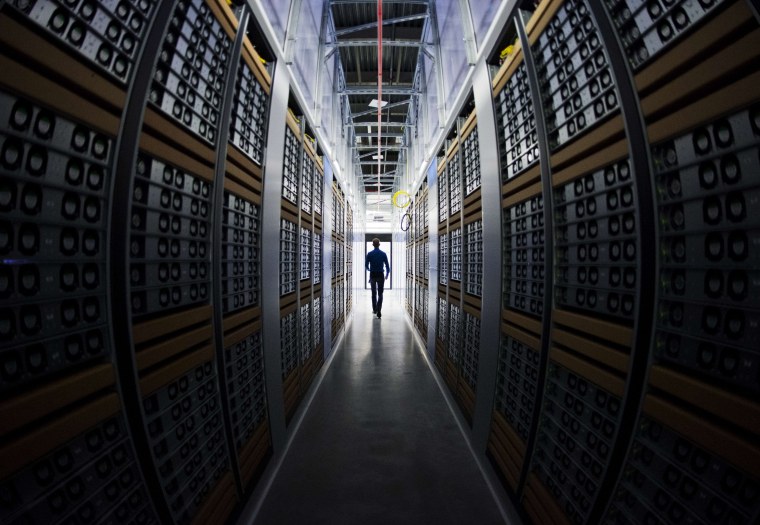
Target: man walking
(374, 262)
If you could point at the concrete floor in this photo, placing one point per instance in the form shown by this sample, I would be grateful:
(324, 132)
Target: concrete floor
(379, 444)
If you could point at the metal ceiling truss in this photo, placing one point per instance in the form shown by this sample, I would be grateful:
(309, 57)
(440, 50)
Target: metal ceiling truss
(367, 42)
(387, 21)
(373, 124)
(351, 2)
(385, 108)
(374, 181)
(387, 90)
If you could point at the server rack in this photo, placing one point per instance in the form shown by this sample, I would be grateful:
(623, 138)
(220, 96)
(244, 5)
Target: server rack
(626, 259)
(460, 263)
(133, 145)
(627, 165)
(301, 347)
(418, 261)
(342, 249)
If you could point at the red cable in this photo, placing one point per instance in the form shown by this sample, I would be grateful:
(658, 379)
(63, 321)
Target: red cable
(379, 91)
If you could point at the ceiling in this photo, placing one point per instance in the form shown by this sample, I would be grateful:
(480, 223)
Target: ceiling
(355, 24)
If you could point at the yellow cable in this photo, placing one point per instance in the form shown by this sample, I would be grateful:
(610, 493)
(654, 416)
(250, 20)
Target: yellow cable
(397, 195)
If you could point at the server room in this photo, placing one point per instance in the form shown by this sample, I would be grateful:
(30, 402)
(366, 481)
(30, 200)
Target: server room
(190, 332)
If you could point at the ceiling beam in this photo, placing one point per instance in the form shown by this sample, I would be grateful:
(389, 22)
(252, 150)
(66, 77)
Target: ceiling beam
(374, 152)
(374, 124)
(385, 108)
(369, 42)
(348, 2)
(387, 175)
(386, 21)
(385, 135)
(384, 148)
(372, 90)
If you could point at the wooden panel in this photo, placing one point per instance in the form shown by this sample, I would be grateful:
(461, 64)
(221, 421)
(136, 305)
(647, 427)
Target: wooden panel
(50, 93)
(30, 406)
(453, 148)
(739, 410)
(291, 393)
(546, 500)
(243, 316)
(153, 329)
(240, 334)
(225, 16)
(164, 151)
(308, 145)
(707, 435)
(254, 61)
(211, 512)
(585, 369)
(588, 144)
(530, 177)
(540, 19)
(290, 214)
(738, 94)
(469, 125)
(511, 439)
(589, 163)
(722, 65)
(472, 304)
(472, 216)
(293, 124)
(24, 450)
(473, 310)
(155, 380)
(288, 304)
(153, 355)
(30, 43)
(179, 136)
(251, 458)
(535, 512)
(522, 196)
(289, 210)
(499, 455)
(593, 350)
(467, 394)
(603, 329)
(523, 321)
(243, 169)
(523, 337)
(695, 48)
(472, 208)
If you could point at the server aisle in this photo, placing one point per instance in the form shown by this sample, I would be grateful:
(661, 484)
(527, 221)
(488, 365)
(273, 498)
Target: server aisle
(143, 168)
(619, 142)
(378, 443)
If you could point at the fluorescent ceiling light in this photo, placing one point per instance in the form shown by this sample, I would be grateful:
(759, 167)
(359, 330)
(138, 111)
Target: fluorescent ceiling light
(369, 129)
(377, 157)
(373, 103)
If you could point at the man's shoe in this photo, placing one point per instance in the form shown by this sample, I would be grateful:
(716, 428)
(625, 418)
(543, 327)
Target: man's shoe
(378, 315)
(374, 311)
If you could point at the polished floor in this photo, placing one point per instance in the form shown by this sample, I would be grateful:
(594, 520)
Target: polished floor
(379, 444)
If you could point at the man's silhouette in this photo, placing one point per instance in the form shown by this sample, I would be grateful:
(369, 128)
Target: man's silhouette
(374, 262)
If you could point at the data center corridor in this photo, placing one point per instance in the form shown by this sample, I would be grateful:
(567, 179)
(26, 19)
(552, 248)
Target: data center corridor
(568, 190)
(379, 444)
